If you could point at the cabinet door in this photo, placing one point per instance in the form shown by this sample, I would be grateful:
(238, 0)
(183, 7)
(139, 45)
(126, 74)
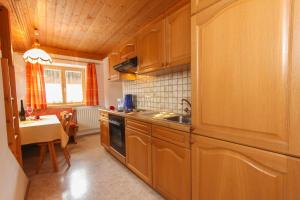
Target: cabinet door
(104, 133)
(178, 37)
(128, 50)
(151, 47)
(171, 170)
(222, 170)
(241, 74)
(138, 154)
(113, 59)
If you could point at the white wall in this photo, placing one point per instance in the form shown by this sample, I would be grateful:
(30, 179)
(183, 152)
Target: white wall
(13, 181)
(112, 89)
(20, 74)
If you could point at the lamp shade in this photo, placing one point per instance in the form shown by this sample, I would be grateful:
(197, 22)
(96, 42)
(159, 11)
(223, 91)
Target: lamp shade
(36, 55)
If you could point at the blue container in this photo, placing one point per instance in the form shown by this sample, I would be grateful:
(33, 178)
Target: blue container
(128, 103)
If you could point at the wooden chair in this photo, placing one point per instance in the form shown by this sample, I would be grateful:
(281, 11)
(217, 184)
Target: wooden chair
(43, 146)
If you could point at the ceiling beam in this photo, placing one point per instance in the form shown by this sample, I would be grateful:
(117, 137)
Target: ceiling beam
(65, 52)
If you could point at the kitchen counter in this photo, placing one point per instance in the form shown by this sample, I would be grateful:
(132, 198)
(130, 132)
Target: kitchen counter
(153, 118)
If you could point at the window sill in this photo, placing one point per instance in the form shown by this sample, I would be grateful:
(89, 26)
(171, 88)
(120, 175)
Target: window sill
(66, 105)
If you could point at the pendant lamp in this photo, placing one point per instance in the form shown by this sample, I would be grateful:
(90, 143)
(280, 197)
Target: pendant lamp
(37, 55)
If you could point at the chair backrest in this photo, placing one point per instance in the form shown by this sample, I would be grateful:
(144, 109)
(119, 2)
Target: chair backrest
(66, 122)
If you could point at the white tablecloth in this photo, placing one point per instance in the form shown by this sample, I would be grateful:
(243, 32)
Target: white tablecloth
(47, 129)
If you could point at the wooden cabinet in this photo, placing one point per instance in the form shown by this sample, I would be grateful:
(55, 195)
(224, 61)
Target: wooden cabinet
(138, 154)
(222, 170)
(104, 130)
(151, 47)
(166, 42)
(113, 59)
(162, 160)
(128, 50)
(245, 87)
(171, 170)
(178, 37)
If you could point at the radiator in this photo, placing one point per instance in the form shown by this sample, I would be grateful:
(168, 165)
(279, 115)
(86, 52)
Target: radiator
(87, 118)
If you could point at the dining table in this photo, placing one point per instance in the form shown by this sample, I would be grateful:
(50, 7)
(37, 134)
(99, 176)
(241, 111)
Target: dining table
(46, 129)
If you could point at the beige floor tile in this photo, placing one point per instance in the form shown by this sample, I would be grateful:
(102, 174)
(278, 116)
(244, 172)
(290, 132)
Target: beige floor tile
(94, 174)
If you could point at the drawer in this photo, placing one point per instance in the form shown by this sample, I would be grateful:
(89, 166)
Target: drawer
(170, 135)
(139, 126)
(103, 115)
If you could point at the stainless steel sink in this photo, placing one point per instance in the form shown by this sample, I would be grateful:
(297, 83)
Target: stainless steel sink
(180, 119)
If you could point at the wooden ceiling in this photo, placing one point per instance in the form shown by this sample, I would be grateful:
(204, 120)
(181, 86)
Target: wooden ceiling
(82, 27)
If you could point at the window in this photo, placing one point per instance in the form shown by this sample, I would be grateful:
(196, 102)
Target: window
(64, 85)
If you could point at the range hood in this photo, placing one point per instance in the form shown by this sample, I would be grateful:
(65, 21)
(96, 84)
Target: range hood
(128, 66)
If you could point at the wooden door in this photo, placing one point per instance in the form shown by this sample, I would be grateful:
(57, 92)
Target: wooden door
(227, 171)
(113, 59)
(245, 88)
(151, 47)
(104, 127)
(138, 154)
(178, 37)
(171, 170)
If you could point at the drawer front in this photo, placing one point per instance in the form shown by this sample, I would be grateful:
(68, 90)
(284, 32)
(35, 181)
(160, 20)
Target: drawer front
(139, 126)
(176, 137)
(103, 115)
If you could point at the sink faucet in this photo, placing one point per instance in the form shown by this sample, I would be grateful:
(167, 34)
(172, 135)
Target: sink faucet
(187, 110)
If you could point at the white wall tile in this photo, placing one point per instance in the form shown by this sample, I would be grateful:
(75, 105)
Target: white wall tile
(160, 93)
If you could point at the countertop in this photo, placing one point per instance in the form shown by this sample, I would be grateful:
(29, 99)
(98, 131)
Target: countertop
(152, 117)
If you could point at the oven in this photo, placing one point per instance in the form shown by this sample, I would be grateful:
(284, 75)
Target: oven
(117, 133)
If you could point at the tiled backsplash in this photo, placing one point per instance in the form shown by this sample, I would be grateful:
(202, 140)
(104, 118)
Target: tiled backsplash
(161, 93)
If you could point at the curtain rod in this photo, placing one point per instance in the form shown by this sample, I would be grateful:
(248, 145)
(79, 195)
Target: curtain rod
(75, 60)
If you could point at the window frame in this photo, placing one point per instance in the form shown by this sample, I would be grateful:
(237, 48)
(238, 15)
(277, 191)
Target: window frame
(63, 70)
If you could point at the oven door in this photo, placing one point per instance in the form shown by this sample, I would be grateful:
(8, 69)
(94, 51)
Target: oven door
(117, 134)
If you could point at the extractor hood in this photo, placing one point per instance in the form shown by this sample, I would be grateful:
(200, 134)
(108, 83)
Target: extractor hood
(128, 66)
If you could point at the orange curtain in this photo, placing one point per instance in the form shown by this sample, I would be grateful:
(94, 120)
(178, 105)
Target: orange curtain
(35, 86)
(91, 85)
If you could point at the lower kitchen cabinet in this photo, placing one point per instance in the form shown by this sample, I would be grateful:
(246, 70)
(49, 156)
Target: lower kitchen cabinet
(104, 131)
(227, 171)
(171, 170)
(138, 154)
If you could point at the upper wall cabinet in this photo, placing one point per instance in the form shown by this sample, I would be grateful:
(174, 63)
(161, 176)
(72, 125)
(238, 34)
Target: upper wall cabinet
(128, 50)
(178, 39)
(166, 42)
(113, 59)
(151, 47)
(245, 79)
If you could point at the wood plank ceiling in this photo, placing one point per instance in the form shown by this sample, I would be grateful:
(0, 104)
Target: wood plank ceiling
(89, 27)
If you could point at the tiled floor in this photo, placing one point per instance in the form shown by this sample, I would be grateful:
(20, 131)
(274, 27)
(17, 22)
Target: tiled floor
(94, 174)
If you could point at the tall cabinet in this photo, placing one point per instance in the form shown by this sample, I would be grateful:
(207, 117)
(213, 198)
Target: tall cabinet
(246, 99)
